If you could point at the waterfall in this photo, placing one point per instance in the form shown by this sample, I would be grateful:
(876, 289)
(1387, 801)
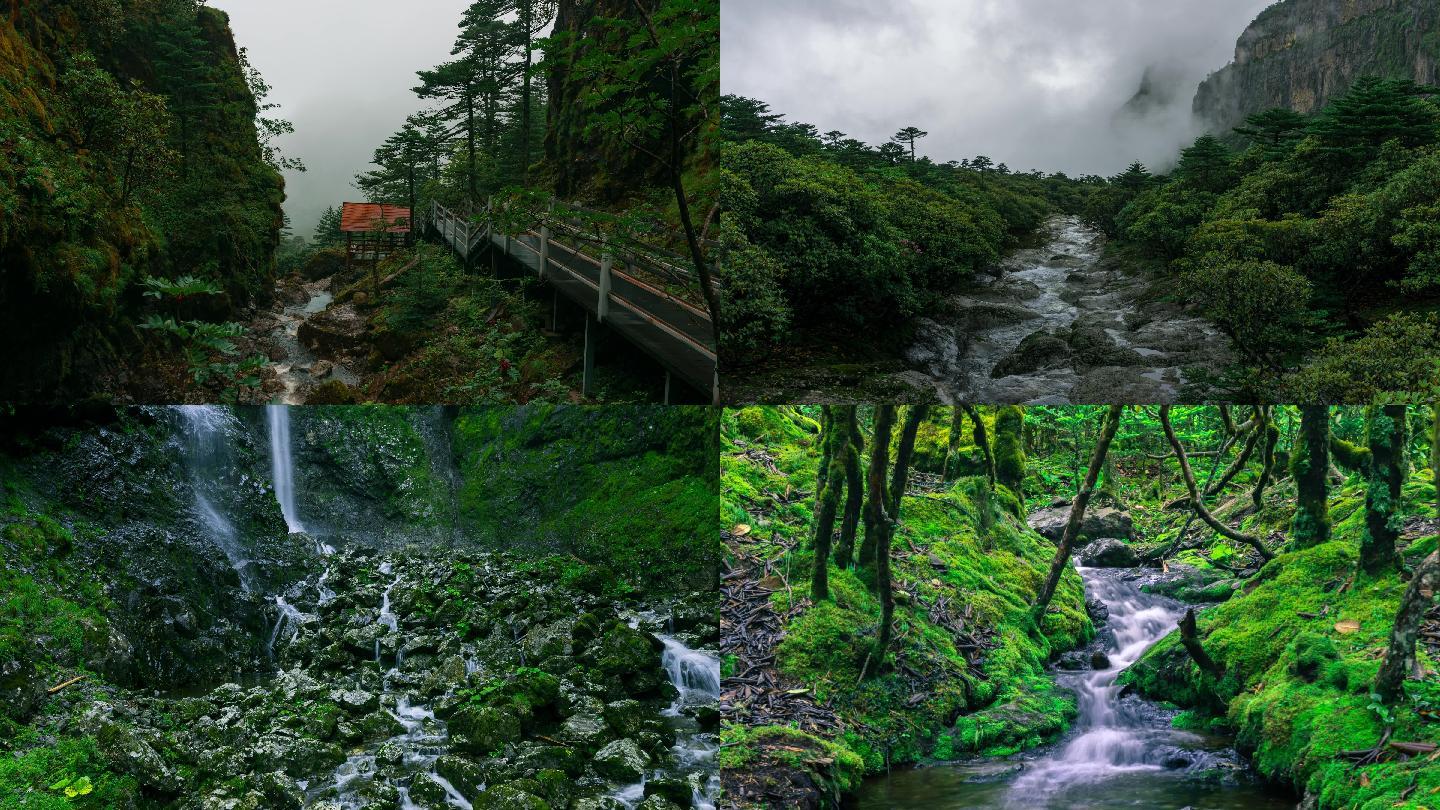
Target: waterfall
(281, 466)
(696, 678)
(207, 455)
(1113, 737)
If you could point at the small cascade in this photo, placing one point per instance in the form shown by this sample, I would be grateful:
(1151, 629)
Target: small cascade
(282, 467)
(696, 678)
(288, 613)
(423, 740)
(207, 457)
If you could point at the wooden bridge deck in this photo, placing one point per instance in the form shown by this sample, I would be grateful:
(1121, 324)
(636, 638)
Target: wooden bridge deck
(676, 333)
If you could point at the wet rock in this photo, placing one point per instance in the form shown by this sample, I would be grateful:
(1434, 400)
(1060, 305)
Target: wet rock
(506, 797)
(657, 803)
(676, 791)
(586, 731)
(466, 776)
(630, 717)
(1099, 611)
(336, 331)
(1108, 552)
(124, 748)
(621, 761)
(1039, 350)
(707, 716)
(321, 369)
(323, 264)
(1073, 661)
(1101, 521)
(280, 791)
(427, 793)
(1099, 660)
(357, 701)
(533, 757)
(484, 730)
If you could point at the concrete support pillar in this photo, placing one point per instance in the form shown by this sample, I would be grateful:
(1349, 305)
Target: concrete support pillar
(603, 305)
(587, 380)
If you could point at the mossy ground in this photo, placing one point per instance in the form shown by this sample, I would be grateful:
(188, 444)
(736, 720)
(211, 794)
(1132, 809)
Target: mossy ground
(1297, 675)
(962, 550)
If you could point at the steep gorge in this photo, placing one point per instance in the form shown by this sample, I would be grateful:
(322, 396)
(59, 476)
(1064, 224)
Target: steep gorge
(1301, 54)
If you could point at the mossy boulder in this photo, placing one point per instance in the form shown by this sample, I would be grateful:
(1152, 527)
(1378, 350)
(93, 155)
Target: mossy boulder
(485, 730)
(622, 761)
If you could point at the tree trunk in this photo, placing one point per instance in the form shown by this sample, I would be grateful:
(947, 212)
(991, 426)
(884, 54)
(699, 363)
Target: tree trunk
(854, 490)
(878, 529)
(470, 142)
(1190, 640)
(1387, 473)
(876, 497)
(1269, 436)
(957, 431)
(1077, 511)
(1235, 467)
(527, 14)
(1311, 467)
(914, 415)
(827, 442)
(829, 502)
(1010, 449)
(982, 441)
(1196, 503)
(1399, 659)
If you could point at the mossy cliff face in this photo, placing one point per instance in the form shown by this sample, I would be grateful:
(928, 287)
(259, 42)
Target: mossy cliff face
(963, 558)
(631, 487)
(1300, 54)
(98, 191)
(1299, 647)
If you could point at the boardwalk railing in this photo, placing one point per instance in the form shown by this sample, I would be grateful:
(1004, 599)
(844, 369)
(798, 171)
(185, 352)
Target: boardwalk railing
(617, 289)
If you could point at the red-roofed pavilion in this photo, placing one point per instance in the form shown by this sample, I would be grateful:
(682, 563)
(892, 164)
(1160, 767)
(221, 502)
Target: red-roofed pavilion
(373, 230)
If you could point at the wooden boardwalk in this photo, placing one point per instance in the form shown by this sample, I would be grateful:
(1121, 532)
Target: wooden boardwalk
(678, 334)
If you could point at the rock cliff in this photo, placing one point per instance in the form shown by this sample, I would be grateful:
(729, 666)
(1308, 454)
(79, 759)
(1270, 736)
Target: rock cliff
(1303, 53)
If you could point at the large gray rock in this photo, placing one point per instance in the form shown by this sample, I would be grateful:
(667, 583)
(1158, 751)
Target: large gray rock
(621, 761)
(1108, 552)
(1100, 521)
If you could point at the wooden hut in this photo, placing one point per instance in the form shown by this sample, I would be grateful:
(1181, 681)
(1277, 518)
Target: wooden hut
(373, 230)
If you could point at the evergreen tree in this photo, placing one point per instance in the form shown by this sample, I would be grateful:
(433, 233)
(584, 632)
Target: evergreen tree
(1352, 128)
(1277, 130)
(908, 136)
(1206, 165)
(327, 232)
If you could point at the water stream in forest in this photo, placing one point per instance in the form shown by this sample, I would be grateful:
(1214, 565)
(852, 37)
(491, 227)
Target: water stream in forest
(696, 678)
(1063, 323)
(1121, 753)
(298, 369)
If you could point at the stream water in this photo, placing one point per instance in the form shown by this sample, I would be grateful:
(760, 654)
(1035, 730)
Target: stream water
(1121, 753)
(297, 367)
(1062, 323)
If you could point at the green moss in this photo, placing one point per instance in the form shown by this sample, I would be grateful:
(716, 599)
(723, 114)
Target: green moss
(972, 552)
(832, 765)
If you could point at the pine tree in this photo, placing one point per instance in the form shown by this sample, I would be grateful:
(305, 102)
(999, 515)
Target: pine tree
(1353, 127)
(1206, 165)
(908, 136)
(1277, 130)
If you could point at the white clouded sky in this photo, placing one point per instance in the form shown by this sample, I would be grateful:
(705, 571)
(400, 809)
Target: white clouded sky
(342, 71)
(1033, 83)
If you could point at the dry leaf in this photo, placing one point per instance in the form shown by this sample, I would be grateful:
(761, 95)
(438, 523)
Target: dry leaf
(1347, 627)
(1364, 780)
(741, 529)
(772, 583)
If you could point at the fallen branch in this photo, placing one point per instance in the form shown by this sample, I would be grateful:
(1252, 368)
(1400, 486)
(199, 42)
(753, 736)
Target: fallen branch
(52, 690)
(1190, 640)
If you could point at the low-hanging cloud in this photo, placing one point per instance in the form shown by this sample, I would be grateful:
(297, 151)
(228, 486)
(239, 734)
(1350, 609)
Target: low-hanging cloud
(342, 71)
(1037, 84)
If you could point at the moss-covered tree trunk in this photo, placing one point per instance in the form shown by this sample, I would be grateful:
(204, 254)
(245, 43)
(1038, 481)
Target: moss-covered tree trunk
(1269, 437)
(1382, 495)
(982, 441)
(827, 438)
(1010, 448)
(1399, 659)
(914, 415)
(880, 527)
(854, 489)
(1077, 510)
(875, 495)
(837, 447)
(1435, 453)
(1310, 465)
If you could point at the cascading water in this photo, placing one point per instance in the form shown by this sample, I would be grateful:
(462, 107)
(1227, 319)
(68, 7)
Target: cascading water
(696, 678)
(1113, 737)
(281, 466)
(1122, 752)
(207, 457)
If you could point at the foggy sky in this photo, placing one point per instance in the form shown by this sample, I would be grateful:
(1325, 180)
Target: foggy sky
(342, 71)
(1036, 84)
